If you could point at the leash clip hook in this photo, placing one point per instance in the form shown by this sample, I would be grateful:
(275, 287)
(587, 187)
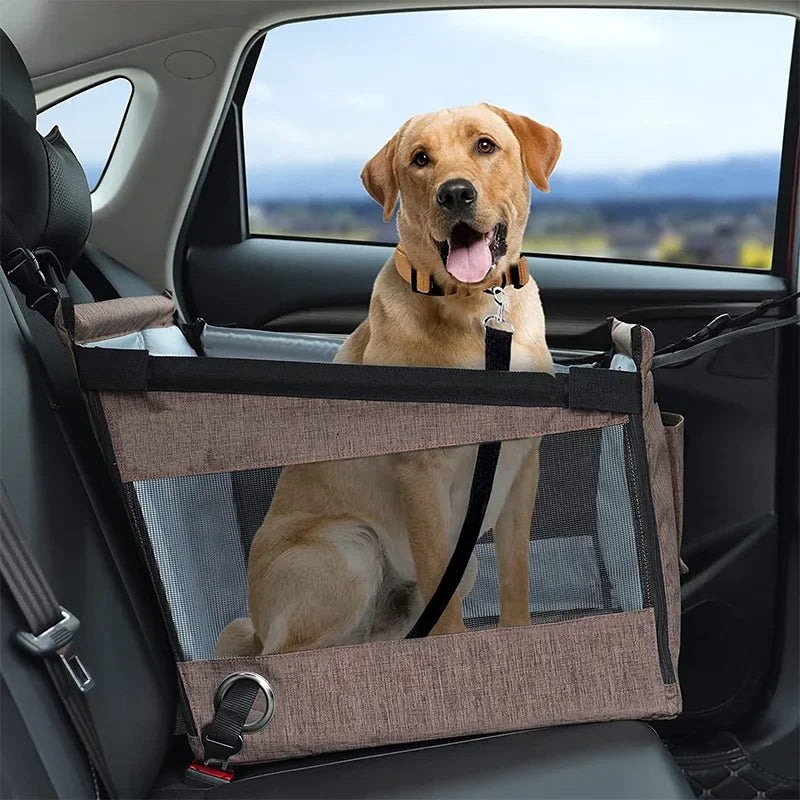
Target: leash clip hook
(499, 320)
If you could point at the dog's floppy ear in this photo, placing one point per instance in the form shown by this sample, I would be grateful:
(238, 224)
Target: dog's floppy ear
(540, 145)
(379, 176)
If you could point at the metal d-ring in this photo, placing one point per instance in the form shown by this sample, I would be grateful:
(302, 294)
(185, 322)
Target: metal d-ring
(265, 688)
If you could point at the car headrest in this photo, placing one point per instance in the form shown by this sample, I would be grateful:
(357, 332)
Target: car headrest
(44, 197)
(15, 81)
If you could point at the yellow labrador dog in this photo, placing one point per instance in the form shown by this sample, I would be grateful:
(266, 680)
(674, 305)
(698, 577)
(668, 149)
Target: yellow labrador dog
(351, 551)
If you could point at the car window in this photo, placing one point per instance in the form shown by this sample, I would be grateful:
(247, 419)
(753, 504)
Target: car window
(672, 122)
(90, 122)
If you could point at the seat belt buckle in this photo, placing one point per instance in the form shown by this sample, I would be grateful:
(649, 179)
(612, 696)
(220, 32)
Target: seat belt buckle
(198, 772)
(56, 640)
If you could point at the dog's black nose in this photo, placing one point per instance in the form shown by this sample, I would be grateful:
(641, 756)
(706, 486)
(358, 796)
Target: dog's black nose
(456, 194)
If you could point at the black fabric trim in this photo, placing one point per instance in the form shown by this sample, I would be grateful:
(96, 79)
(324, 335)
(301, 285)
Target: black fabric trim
(110, 370)
(605, 390)
(68, 316)
(102, 369)
(650, 567)
(636, 344)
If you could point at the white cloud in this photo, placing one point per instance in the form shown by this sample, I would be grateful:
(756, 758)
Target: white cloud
(578, 27)
(360, 101)
(273, 139)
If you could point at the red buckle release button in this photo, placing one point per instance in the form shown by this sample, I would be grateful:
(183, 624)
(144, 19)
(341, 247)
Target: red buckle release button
(197, 770)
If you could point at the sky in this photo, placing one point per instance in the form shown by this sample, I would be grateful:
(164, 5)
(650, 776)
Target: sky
(626, 89)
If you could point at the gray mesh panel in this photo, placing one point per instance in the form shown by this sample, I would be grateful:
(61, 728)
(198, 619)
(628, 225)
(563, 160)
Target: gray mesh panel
(583, 547)
(200, 536)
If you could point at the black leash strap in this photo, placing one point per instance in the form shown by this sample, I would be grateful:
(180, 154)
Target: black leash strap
(498, 357)
(52, 628)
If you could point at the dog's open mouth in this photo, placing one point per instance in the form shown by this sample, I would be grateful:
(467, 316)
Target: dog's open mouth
(468, 255)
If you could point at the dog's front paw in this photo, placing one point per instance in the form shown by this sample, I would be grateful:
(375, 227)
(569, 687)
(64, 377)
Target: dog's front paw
(451, 621)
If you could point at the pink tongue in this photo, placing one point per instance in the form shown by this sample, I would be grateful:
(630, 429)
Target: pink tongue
(470, 258)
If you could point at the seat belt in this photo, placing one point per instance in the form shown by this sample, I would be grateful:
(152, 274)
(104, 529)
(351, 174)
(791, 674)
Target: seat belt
(52, 629)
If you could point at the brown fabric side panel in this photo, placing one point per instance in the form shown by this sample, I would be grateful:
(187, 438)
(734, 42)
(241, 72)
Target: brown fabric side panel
(673, 431)
(661, 487)
(109, 318)
(166, 434)
(586, 670)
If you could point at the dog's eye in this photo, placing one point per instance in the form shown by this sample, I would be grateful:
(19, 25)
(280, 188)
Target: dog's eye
(421, 158)
(486, 145)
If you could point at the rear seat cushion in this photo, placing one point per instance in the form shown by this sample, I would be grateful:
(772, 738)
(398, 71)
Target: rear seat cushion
(619, 760)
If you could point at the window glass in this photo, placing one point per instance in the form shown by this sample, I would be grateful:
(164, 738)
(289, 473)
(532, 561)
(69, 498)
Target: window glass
(671, 121)
(90, 122)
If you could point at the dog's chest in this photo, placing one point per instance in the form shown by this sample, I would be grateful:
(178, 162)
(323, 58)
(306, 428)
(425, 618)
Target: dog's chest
(461, 463)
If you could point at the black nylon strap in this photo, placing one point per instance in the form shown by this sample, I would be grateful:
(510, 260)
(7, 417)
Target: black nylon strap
(22, 269)
(724, 323)
(222, 737)
(498, 358)
(694, 351)
(40, 610)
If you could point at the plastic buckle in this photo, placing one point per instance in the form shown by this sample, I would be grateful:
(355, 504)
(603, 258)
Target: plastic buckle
(707, 331)
(56, 640)
(23, 270)
(206, 774)
(220, 752)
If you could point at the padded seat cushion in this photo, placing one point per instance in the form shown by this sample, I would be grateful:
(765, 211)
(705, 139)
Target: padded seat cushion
(619, 760)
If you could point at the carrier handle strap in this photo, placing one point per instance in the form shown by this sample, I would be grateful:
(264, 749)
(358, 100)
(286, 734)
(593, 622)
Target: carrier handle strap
(498, 358)
(52, 629)
(679, 357)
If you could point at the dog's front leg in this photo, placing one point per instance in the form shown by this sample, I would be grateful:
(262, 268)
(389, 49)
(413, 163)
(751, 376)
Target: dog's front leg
(426, 502)
(512, 542)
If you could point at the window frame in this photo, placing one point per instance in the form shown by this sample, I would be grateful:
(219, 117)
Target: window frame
(88, 87)
(230, 156)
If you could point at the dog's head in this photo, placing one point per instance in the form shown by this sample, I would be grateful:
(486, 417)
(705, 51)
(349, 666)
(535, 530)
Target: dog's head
(463, 177)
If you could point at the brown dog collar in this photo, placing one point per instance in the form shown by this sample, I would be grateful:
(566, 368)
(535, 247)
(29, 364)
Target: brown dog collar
(423, 282)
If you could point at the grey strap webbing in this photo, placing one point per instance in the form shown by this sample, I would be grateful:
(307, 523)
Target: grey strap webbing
(51, 630)
(692, 352)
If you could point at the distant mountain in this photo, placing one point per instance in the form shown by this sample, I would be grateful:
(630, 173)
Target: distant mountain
(730, 178)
